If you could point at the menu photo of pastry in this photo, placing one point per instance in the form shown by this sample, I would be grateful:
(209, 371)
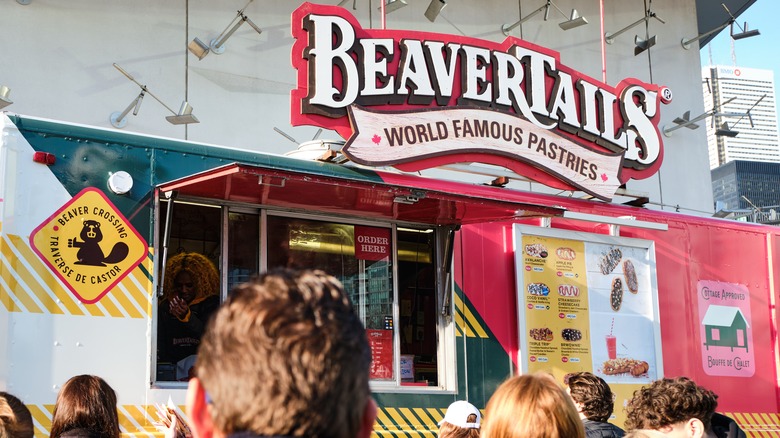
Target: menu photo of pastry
(623, 349)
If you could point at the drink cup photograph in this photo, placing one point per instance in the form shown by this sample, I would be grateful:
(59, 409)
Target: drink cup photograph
(611, 346)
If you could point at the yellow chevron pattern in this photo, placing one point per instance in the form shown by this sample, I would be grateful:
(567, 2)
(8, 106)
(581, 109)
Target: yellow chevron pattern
(465, 322)
(755, 424)
(27, 285)
(137, 421)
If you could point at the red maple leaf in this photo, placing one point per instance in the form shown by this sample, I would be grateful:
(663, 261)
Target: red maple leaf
(376, 139)
(604, 177)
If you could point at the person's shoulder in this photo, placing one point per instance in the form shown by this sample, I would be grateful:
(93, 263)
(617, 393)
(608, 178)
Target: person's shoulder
(601, 429)
(80, 433)
(725, 427)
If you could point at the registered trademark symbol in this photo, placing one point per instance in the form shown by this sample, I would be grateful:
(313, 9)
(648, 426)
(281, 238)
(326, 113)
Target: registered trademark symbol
(666, 95)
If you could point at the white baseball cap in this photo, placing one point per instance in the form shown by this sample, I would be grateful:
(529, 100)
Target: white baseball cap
(458, 413)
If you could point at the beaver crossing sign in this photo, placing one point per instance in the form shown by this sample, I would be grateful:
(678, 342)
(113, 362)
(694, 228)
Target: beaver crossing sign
(89, 245)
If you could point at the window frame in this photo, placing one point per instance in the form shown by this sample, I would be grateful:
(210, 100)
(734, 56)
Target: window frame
(445, 326)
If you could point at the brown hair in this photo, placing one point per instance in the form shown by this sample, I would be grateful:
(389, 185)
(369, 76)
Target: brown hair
(670, 401)
(531, 406)
(593, 393)
(286, 355)
(201, 270)
(15, 418)
(86, 402)
(449, 430)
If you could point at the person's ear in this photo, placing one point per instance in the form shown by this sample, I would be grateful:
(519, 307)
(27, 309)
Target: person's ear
(369, 417)
(199, 412)
(695, 428)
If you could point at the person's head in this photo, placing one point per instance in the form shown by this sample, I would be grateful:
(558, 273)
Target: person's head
(677, 407)
(15, 418)
(462, 420)
(86, 402)
(190, 276)
(591, 394)
(531, 406)
(286, 354)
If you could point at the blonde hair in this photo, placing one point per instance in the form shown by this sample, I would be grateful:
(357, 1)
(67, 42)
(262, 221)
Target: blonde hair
(449, 430)
(531, 406)
(15, 418)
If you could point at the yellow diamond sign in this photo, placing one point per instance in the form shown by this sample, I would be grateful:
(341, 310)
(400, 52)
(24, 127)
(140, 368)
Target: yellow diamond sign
(89, 245)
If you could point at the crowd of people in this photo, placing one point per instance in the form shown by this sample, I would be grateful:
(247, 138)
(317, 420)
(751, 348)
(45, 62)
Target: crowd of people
(287, 356)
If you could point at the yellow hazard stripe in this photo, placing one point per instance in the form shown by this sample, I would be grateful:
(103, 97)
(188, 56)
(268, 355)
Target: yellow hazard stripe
(41, 420)
(757, 424)
(401, 422)
(14, 287)
(125, 302)
(49, 281)
(466, 321)
(27, 279)
(32, 287)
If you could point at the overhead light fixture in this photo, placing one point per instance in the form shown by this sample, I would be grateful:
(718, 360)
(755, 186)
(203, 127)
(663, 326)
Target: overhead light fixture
(23, 2)
(4, 100)
(393, 5)
(119, 119)
(217, 45)
(724, 131)
(575, 21)
(686, 122)
(640, 44)
(434, 8)
(184, 116)
(745, 33)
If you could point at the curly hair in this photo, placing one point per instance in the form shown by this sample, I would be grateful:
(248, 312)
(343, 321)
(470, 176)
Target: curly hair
(593, 393)
(15, 419)
(286, 354)
(670, 401)
(201, 270)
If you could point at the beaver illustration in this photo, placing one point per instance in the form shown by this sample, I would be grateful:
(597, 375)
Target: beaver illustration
(89, 250)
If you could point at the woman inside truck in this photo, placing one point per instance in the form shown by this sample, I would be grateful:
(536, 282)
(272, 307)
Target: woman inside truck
(191, 295)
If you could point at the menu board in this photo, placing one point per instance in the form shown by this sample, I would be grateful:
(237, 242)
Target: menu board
(381, 342)
(588, 302)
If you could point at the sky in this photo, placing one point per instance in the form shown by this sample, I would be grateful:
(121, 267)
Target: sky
(755, 52)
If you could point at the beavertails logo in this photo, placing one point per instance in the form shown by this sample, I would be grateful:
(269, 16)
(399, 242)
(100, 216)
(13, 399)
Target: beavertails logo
(436, 99)
(89, 244)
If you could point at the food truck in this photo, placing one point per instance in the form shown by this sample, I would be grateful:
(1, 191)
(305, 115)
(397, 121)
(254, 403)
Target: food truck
(459, 284)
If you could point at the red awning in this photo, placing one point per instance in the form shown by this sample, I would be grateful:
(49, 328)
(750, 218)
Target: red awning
(365, 194)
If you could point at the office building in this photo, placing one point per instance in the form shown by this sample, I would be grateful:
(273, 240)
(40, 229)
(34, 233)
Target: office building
(744, 126)
(747, 189)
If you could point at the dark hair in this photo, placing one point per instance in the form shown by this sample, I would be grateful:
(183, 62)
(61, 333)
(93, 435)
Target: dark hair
(86, 402)
(286, 354)
(670, 401)
(15, 418)
(592, 393)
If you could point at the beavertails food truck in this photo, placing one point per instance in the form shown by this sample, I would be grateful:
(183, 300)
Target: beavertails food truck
(459, 285)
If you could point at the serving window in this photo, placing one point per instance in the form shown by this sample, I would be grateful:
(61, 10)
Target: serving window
(387, 270)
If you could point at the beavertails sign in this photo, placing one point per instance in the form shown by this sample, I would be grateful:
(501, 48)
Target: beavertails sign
(416, 100)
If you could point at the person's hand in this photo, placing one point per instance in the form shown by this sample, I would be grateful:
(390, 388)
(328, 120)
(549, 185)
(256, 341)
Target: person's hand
(170, 431)
(178, 307)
